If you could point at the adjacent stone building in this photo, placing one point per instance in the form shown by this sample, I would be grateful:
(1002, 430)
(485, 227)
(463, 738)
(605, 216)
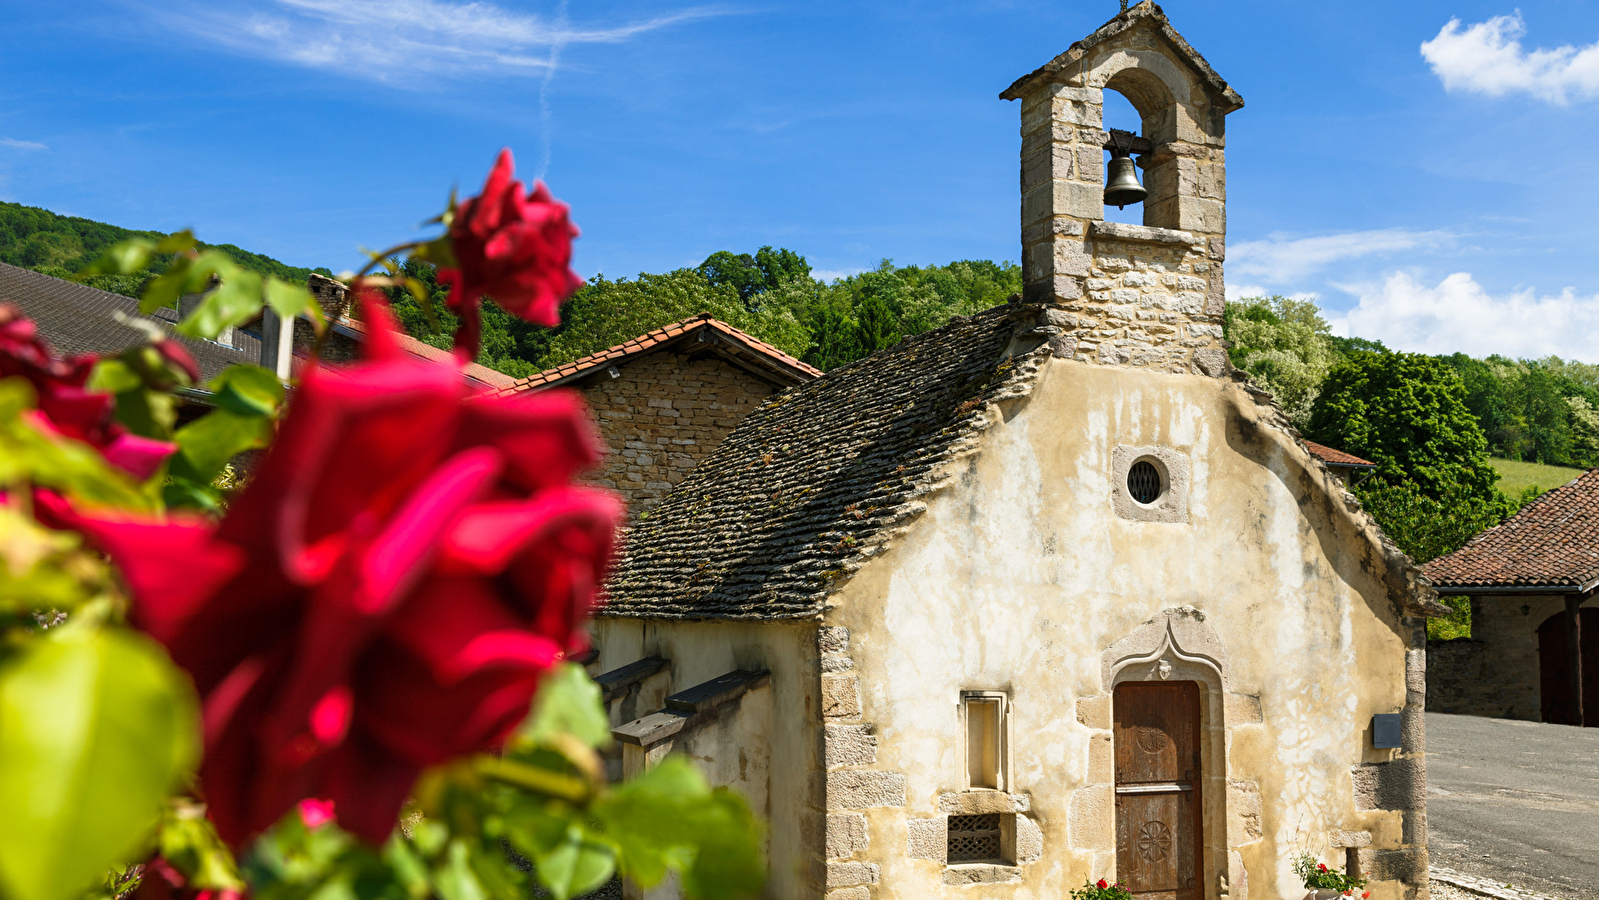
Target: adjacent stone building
(1047, 594)
(665, 399)
(1534, 647)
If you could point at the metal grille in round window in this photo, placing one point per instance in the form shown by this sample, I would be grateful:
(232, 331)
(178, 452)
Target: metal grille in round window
(1143, 482)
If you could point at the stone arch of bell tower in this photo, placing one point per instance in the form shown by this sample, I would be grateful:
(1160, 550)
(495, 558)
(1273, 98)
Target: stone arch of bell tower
(1150, 295)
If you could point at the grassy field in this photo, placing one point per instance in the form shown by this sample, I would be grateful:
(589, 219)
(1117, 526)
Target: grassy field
(1515, 477)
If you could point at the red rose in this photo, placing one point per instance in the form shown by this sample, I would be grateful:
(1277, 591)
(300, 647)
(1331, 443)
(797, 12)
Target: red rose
(384, 595)
(65, 407)
(515, 249)
(1101, 884)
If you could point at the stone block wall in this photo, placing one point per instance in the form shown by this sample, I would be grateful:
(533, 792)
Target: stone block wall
(662, 415)
(1071, 256)
(1495, 672)
(1151, 301)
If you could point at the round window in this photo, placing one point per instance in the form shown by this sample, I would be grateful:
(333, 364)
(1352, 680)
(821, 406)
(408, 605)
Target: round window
(1143, 482)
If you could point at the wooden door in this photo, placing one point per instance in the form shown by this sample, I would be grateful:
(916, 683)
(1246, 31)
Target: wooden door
(1555, 696)
(1158, 827)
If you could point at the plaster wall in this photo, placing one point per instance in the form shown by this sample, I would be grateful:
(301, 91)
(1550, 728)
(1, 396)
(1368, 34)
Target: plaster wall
(1023, 578)
(1495, 672)
(766, 745)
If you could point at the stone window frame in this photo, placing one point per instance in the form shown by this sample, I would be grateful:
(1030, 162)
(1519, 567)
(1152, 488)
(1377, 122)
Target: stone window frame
(1172, 504)
(1002, 752)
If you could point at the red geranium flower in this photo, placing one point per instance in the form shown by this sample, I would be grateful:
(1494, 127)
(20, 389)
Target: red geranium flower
(1321, 866)
(1101, 884)
(513, 248)
(66, 407)
(406, 562)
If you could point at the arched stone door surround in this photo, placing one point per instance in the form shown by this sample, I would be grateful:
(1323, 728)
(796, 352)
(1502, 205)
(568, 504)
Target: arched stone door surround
(1176, 645)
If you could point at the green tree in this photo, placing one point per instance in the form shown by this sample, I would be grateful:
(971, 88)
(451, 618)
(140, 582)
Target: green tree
(1406, 413)
(1285, 345)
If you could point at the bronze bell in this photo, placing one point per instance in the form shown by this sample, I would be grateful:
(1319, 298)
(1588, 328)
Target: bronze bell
(1121, 181)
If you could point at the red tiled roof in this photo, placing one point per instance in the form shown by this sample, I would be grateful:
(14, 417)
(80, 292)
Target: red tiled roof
(1337, 457)
(481, 374)
(776, 360)
(1553, 541)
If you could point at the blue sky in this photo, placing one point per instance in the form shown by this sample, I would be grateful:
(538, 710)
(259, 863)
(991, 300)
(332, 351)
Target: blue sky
(1428, 171)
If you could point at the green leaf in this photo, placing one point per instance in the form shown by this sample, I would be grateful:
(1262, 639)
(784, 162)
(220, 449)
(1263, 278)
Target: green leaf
(177, 242)
(569, 702)
(287, 300)
(96, 728)
(113, 376)
(182, 493)
(123, 258)
(206, 444)
(72, 467)
(455, 880)
(148, 413)
(668, 818)
(181, 277)
(188, 841)
(575, 866)
(233, 302)
(248, 390)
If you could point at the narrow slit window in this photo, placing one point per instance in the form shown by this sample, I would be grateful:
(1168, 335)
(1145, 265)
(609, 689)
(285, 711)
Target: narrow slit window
(985, 740)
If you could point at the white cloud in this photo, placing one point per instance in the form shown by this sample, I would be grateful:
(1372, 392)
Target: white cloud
(1280, 259)
(395, 40)
(1460, 315)
(834, 274)
(15, 144)
(1487, 58)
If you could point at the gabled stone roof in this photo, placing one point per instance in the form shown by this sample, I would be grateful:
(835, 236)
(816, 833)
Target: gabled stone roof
(1226, 99)
(75, 318)
(751, 353)
(1552, 542)
(816, 481)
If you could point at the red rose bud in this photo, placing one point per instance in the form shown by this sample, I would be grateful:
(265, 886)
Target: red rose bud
(512, 248)
(408, 560)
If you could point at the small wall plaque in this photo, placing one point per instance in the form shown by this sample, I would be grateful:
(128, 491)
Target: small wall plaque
(1385, 731)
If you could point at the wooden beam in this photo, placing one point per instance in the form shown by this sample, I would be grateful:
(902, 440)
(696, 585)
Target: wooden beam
(1133, 142)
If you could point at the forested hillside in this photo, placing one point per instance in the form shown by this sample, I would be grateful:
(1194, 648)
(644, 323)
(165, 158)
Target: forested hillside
(63, 245)
(769, 294)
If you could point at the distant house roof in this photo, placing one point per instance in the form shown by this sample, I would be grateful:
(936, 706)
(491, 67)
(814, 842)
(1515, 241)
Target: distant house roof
(75, 318)
(812, 483)
(1337, 459)
(701, 332)
(1552, 543)
(356, 330)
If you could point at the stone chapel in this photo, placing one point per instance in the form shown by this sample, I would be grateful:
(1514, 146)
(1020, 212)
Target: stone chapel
(1047, 594)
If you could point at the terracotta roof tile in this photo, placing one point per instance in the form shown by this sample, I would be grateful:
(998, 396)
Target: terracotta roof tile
(1337, 457)
(1554, 540)
(653, 340)
(815, 481)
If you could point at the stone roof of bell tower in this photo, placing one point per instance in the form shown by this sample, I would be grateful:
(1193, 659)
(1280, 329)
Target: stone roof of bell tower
(1146, 15)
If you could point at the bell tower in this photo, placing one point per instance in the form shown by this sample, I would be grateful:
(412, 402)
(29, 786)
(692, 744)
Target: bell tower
(1149, 295)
